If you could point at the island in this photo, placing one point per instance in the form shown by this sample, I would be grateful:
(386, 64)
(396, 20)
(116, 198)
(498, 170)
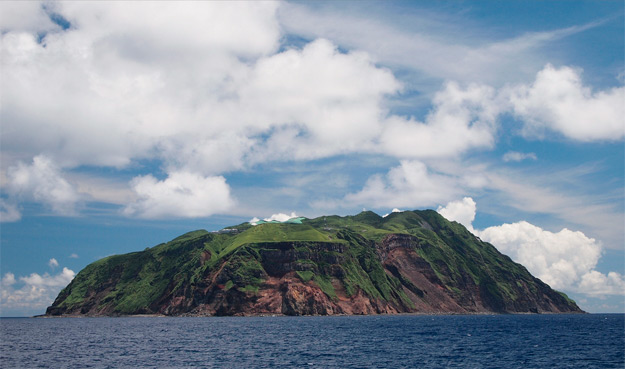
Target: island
(406, 262)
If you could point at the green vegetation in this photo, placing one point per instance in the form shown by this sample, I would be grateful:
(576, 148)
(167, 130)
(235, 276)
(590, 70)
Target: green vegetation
(326, 286)
(249, 288)
(132, 282)
(305, 275)
(274, 232)
(326, 250)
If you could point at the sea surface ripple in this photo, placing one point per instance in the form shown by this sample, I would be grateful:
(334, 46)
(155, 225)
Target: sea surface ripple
(405, 341)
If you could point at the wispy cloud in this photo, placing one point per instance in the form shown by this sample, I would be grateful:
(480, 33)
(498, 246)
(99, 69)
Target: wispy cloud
(108, 94)
(518, 156)
(409, 185)
(596, 214)
(443, 50)
(505, 192)
(9, 211)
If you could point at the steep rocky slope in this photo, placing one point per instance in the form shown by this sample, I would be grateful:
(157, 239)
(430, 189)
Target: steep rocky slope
(414, 261)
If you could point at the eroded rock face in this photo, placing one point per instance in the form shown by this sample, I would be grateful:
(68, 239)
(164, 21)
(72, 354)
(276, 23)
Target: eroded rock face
(432, 268)
(283, 292)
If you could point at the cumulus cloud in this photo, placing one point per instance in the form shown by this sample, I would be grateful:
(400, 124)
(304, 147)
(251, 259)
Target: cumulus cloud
(460, 119)
(462, 211)
(8, 279)
(559, 259)
(53, 263)
(42, 181)
(108, 91)
(595, 283)
(519, 156)
(181, 194)
(46, 280)
(565, 260)
(410, 184)
(558, 101)
(319, 97)
(74, 256)
(204, 88)
(33, 292)
(465, 118)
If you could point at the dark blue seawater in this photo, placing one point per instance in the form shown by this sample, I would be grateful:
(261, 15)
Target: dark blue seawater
(484, 341)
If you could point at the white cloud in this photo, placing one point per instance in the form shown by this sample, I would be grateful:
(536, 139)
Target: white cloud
(203, 88)
(280, 217)
(408, 185)
(553, 193)
(218, 153)
(559, 259)
(321, 102)
(8, 279)
(518, 156)
(181, 194)
(221, 102)
(36, 291)
(42, 181)
(108, 92)
(558, 101)
(595, 283)
(128, 75)
(564, 260)
(190, 27)
(53, 263)
(46, 280)
(462, 211)
(74, 256)
(460, 119)
(431, 45)
(104, 189)
(28, 16)
(9, 212)
(395, 210)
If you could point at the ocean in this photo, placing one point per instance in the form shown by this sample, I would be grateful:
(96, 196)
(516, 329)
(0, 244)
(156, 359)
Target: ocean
(403, 341)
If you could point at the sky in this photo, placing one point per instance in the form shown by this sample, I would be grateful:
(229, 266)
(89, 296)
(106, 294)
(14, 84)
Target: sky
(126, 124)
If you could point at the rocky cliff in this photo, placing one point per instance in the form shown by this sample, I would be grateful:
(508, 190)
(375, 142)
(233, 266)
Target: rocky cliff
(409, 262)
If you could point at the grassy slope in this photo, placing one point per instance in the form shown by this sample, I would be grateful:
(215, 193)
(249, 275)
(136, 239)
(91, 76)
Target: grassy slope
(137, 279)
(134, 281)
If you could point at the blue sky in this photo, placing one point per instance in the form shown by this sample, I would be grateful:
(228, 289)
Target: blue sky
(125, 125)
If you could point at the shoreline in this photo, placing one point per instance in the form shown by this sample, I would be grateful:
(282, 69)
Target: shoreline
(43, 316)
